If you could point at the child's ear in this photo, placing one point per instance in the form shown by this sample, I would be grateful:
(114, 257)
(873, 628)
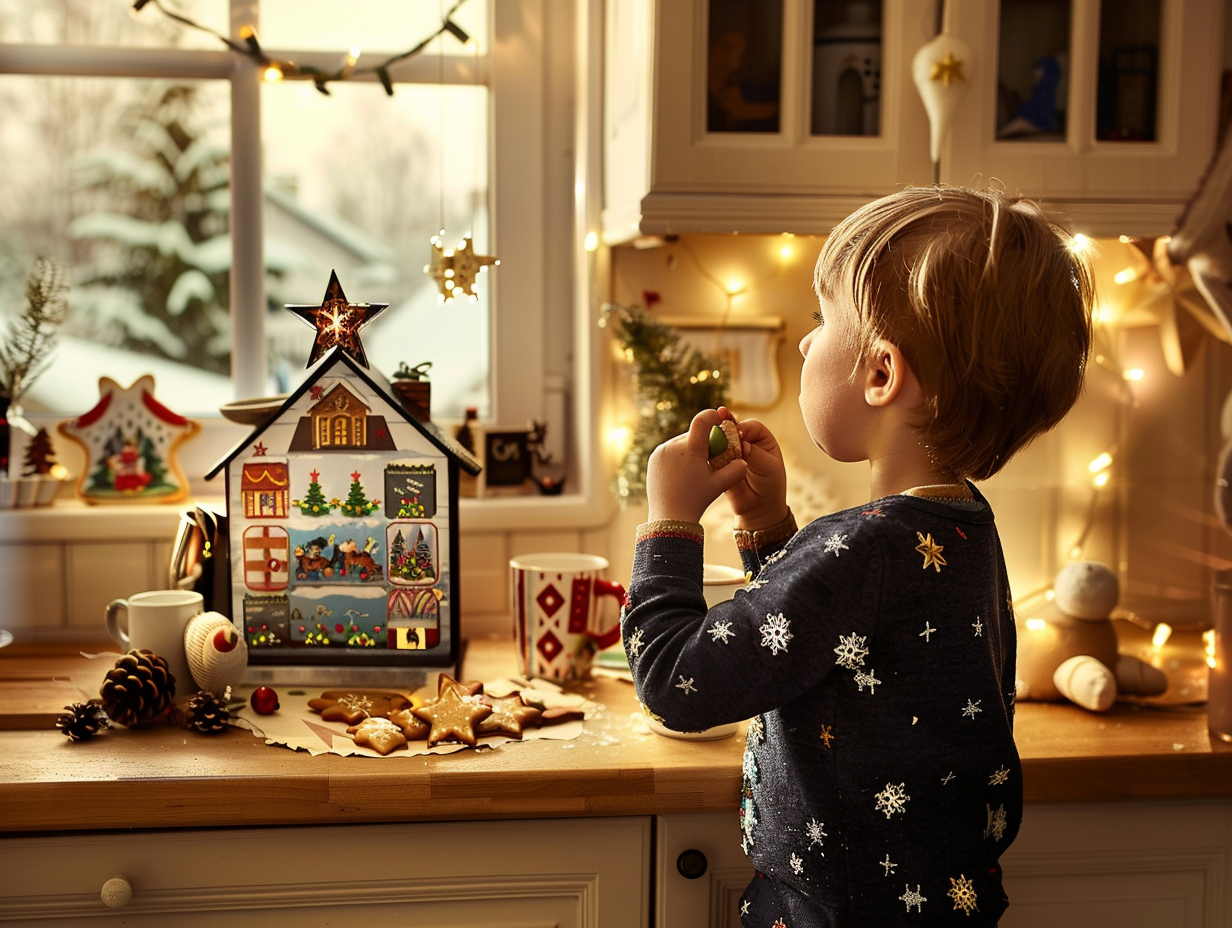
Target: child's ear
(887, 375)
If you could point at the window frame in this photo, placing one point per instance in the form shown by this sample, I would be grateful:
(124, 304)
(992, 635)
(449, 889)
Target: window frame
(543, 63)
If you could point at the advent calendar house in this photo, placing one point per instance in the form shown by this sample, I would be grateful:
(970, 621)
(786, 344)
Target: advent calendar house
(342, 524)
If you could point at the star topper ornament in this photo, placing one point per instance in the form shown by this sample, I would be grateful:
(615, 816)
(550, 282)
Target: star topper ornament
(337, 322)
(455, 271)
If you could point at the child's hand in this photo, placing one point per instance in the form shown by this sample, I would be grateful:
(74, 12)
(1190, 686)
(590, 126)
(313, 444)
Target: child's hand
(679, 482)
(760, 499)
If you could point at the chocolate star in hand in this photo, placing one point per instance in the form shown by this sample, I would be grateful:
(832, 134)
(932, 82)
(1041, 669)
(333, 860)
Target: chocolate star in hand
(337, 322)
(452, 714)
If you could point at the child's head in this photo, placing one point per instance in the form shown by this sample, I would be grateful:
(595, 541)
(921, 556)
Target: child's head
(988, 302)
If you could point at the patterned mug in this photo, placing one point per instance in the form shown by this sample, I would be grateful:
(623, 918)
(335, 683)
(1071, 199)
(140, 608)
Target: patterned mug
(563, 612)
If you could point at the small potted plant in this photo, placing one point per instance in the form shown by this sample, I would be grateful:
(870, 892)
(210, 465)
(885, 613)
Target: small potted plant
(24, 354)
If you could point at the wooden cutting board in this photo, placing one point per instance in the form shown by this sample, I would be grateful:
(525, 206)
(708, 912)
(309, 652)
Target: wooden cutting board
(30, 703)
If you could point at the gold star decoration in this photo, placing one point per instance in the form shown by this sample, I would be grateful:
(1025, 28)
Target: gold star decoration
(337, 322)
(1155, 291)
(947, 70)
(931, 551)
(456, 270)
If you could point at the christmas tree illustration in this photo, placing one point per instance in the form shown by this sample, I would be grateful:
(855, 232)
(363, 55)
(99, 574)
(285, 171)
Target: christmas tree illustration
(357, 504)
(315, 503)
(414, 563)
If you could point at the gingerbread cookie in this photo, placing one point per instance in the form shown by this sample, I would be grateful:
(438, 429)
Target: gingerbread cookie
(380, 734)
(351, 707)
(452, 716)
(509, 717)
(724, 444)
(413, 727)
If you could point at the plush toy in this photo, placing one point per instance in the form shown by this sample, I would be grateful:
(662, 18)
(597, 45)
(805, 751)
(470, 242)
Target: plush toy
(1073, 653)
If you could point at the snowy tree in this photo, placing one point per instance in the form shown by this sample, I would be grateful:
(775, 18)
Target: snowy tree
(156, 275)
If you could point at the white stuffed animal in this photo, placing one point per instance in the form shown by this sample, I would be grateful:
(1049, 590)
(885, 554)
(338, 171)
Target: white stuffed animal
(1074, 654)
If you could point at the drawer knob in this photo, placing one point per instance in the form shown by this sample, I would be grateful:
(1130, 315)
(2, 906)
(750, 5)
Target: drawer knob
(116, 892)
(691, 864)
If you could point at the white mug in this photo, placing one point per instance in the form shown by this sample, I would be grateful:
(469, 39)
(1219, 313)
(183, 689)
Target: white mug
(563, 612)
(155, 622)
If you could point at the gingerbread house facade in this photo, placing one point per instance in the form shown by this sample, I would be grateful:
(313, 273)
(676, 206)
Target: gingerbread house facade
(342, 526)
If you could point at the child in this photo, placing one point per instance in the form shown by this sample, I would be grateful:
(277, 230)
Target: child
(874, 650)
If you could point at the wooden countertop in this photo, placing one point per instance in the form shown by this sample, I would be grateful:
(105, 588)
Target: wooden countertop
(165, 777)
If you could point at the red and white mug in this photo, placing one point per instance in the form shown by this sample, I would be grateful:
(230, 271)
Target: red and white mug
(563, 612)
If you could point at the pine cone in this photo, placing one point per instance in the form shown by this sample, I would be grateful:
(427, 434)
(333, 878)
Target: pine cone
(205, 713)
(82, 720)
(139, 689)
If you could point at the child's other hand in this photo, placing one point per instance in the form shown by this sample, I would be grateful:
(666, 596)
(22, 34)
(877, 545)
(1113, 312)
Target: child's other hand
(760, 499)
(679, 482)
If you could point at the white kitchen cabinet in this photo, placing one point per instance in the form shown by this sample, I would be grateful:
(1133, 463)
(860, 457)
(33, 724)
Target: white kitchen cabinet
(574, 873)
(671, 166)
(1133, 865)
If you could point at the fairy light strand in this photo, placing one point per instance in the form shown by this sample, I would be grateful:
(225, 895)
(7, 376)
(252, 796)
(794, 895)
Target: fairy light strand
(277, 69)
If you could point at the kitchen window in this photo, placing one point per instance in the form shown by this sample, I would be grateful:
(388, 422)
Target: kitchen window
(354, 180)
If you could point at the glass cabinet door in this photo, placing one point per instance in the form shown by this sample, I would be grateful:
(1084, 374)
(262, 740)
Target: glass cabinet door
(846, 65)
(1088, 101)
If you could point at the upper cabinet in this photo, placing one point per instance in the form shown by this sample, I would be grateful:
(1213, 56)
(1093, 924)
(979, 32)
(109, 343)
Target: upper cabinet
(783, 115)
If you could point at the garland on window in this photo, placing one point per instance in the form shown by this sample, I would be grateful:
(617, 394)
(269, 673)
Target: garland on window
(277, 69)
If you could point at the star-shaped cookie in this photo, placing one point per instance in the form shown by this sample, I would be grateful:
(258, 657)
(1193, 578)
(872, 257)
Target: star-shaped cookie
(509, 716)
(452, 716)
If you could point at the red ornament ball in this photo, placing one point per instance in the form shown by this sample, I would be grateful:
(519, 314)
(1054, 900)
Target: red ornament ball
(264, 701)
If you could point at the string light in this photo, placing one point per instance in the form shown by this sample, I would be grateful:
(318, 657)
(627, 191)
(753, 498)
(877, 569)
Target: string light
(274, 70)
(1163, 631)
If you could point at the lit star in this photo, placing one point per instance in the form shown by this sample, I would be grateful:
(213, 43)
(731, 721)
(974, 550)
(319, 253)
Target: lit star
(947, 70)
(337, 322)
(931, 551)
(456, 270)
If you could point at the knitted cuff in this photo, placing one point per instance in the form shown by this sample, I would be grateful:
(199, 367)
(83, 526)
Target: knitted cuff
(773, 537)
(671, 528)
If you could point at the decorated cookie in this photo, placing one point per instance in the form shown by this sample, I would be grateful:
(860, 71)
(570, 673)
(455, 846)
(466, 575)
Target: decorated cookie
(724, 444)
(509, 716)
(351, 707)
(380, 734)
(452, 716)
(413, 727)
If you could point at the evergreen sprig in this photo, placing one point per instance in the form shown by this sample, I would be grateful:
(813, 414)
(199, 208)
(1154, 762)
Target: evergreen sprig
(30, 337)
(674, 382)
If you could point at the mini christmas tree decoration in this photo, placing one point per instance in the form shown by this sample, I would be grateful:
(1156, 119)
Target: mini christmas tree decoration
(131, 441)
(456, 270)
(138, 690)
(82, 720)
(338, 322)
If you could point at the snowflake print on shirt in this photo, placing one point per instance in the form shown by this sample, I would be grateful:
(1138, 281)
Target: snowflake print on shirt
(931, 551)
(775, 557)
(851, 651)
(721, 632)
(996, 822)
(978, 625)
(892, 799)
(834, 544)
(962, 891)
(827, 734)
(816, 831)
(927, 633)
(866, 679)
(756, 584)
(757, 729)
(775, 634)
(686, 685)
(779, 923)
(999, 778)
(796, 862)
(749, 766)
(889, 865)
(971, 708)
(912, 897)
(634, 644)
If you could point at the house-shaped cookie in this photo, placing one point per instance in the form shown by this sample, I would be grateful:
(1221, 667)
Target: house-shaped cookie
(343, 531)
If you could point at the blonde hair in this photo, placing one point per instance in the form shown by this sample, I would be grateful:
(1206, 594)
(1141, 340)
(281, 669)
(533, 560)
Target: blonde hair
(987, 300)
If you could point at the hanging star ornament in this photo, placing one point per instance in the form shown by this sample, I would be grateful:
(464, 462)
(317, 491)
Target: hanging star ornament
(1156, 291)
(337, 322)
(942, 70)
(456, 270)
